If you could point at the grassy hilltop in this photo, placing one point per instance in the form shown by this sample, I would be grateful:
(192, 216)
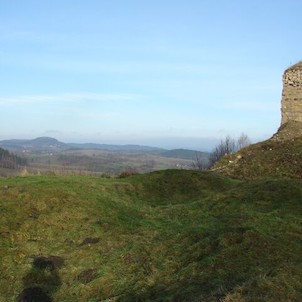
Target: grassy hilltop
(280, 156)
(172, 235)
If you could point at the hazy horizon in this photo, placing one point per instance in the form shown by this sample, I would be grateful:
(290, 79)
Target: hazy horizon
(205, 144)
(172, 74)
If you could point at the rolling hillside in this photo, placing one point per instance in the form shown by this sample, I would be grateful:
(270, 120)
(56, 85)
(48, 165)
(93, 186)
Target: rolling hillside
(48, 155)
(49, 144)
(280, 156)
(185, 154)
(172, 235)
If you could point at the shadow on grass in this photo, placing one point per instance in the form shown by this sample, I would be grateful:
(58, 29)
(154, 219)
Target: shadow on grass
(43, 280)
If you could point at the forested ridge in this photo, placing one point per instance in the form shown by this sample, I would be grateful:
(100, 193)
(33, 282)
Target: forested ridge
(10, 160)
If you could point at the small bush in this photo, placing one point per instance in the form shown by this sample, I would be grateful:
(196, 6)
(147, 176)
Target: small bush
(128, 172)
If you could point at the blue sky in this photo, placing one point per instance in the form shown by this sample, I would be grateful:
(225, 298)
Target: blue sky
(163, 73)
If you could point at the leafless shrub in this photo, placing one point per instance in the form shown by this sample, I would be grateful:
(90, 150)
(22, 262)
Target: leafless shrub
(243, 141)
(200, 162)
(228, 146)
(128, 172)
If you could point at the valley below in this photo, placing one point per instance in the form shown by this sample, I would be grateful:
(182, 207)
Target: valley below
(46, 155)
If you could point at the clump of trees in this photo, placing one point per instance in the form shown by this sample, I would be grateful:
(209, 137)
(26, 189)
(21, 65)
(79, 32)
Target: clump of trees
(228, 145)
(11, 161)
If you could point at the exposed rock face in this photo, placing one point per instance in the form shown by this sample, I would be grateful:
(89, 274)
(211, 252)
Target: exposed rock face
(281, 155)
(291, 104)
(292, 94)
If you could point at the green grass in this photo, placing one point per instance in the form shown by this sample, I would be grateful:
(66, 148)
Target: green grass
(172, 235)
(271, 158)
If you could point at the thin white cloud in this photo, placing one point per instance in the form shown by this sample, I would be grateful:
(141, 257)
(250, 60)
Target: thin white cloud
(68, 97)
(63, 63)
(267, 106)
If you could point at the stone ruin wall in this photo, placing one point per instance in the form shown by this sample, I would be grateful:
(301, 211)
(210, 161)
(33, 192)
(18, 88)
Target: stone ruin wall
(292, 94)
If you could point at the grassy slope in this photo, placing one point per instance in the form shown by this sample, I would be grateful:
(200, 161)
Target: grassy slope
(280, 156)
(271, 158)
(165, 236)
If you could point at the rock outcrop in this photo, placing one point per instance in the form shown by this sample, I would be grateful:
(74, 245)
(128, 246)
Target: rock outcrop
(291, 104)
(281, 155)
(292, 94)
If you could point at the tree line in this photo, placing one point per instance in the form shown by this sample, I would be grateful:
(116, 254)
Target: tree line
(11, 161)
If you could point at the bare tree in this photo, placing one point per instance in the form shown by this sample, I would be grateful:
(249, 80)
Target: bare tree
(228, 146)
(243, 141)
(200, 162)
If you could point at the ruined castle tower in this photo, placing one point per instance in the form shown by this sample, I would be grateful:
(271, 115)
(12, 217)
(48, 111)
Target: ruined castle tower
(292, 94)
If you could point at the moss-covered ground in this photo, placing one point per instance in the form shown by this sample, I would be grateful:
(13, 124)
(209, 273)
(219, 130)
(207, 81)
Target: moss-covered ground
(271, 158)
(165, 236)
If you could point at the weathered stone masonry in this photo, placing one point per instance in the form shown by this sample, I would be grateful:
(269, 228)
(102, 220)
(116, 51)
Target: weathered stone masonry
(292, 94)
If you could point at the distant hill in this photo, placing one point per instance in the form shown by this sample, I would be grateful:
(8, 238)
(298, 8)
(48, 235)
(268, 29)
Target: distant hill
(10, 161)
(48, 144)
(185, 154)
(52, 145)
(49, 154)
(118, 148)
(37, 144)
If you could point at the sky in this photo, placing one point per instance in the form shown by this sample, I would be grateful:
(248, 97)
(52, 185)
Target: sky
(167, 73)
